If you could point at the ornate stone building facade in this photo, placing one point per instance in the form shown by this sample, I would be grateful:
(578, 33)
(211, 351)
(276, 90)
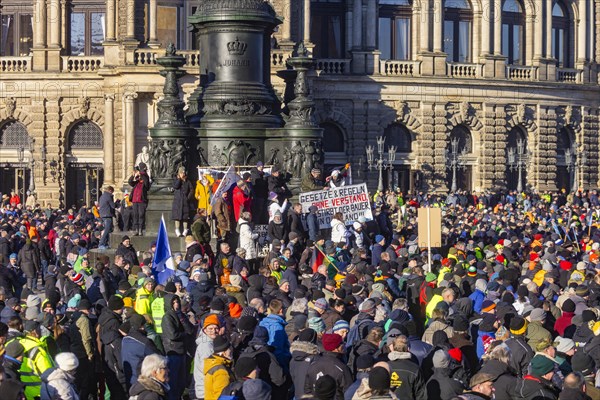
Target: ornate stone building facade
(79, 86)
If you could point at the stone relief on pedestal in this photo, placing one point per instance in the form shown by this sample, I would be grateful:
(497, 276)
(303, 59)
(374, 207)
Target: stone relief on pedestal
(166, 156)
(237, 152)
(11, 106)
(237, 107)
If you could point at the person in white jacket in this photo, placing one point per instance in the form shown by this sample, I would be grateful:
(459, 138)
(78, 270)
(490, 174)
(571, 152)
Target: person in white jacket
(59, 382)
(338, 228)
(247, 235)
(211, 328)
(274, 206)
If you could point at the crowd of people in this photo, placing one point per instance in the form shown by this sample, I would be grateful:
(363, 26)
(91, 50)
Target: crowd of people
(509, 307)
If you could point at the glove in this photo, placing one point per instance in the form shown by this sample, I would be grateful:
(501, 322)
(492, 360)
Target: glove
(347, 166)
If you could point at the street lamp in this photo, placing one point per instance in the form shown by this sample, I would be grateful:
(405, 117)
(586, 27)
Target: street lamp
(454, 161)
(517, 160)
(31, 166)
(575, 160)
(380, 163)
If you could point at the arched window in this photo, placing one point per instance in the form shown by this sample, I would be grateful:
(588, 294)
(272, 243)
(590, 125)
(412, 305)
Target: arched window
(513, 32)
(514, 136)
(13, 135)
(561, 35)
(327, 28)
(564, 141)
(465, 142)
(394, 29)
(85, 135)
(333, 138)
(398, 135)
(458, 19)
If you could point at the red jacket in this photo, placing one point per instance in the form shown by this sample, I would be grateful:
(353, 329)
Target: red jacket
(241, 202)
(15, 200)
(563, 322)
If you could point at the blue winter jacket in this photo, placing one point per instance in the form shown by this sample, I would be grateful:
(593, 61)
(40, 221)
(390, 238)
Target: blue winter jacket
(278, 338)
(477, 296)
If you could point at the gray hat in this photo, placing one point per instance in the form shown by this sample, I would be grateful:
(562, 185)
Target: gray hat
(441, 359)
(256, 389)
(537, 315)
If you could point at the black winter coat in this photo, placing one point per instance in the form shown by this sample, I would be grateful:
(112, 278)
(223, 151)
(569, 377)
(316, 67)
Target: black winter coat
(407, 381)
(182, 208)
(106, 205)
(128, 254)
(270, 370)
(259, 184)
(295, 224)
(506, 382)
(278, 231)
(29, 259)
(521, 354)
(329, 364)
(531, 388)
(174, 329)
(303, 354)
(442, 386)
(148, 389)
(4, 250)
(145, 187)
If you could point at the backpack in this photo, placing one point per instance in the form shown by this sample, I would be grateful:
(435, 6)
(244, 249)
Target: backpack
(355, 335)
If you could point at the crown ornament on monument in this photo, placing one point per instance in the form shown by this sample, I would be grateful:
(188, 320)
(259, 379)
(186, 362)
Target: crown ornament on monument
(237, 48)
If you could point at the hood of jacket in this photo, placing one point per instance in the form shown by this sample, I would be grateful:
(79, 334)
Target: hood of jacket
(148, 384)
(215, 360)
(301, 349)
(256, 282)
(399, 355)
(169, 302)
(57, 374)
(464, 306)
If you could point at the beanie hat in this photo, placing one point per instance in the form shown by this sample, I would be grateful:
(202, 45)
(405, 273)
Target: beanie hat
(379, 379)
(14, 349)
(365, 361)
(84, 304)
(220, 344)
(321, 304)
(481, 377)
(244, 366)
(487, 305)
(331, 341)
(456, 354)
(170, 287)
(245, 324)
(588, 315)
(256, 389)
(582, 362)
(261, 335)
(339, 325)
(124, 285)
(325, 387)
(136, 321)
(308, 335)
(368, 306)
(317, 324)
(67, 361)
(541, 365)
(568, 306)
(72, 303)
(115, 303)
(537, 315)
(217, 305)
(77, 279)
(211, 319)
(563, 344)
(518, 325)
(441, 359)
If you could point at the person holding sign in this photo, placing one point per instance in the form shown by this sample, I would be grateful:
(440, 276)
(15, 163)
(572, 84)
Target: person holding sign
(312, 182)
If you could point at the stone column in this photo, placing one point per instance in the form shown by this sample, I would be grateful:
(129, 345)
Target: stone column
(109, 134)
(286, 29)
(63, 23)
(131, 19)
(40, 24)
(497, 27)
(306, 30)
(539, 31)
(371, 24)
(55, 23)
(581, 32)
(486, 21)
(438, 25)
(153, 24)
(425, 26)
(110, 20)
(129, 134)
(549, 28)
(357, 22)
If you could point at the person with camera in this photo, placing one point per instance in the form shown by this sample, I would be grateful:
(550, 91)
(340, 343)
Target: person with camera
(181, 210)
(140, 182)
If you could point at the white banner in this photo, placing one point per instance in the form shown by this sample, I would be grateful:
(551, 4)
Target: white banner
(352, 201)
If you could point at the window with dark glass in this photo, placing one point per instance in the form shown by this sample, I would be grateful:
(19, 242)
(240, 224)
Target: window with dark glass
(333, 138)
(394, 29)
(16, 37)
(564, 141)
(465, 142)
(327, 28)
(87, 30)
(458, 20)
(13, 135)
(398, 135)
(561, 35)
(513, 31)
(85, 135)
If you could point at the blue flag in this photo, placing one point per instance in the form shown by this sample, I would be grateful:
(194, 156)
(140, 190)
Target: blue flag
(163, 267)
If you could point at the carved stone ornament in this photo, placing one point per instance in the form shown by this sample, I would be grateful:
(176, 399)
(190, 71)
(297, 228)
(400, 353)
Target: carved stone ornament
(465, 110)
(402, 110)
(237, 107)
(166, 156)
(571, 118)
(11, 106)
(237, 152)
(211, 6)
(85, 107)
